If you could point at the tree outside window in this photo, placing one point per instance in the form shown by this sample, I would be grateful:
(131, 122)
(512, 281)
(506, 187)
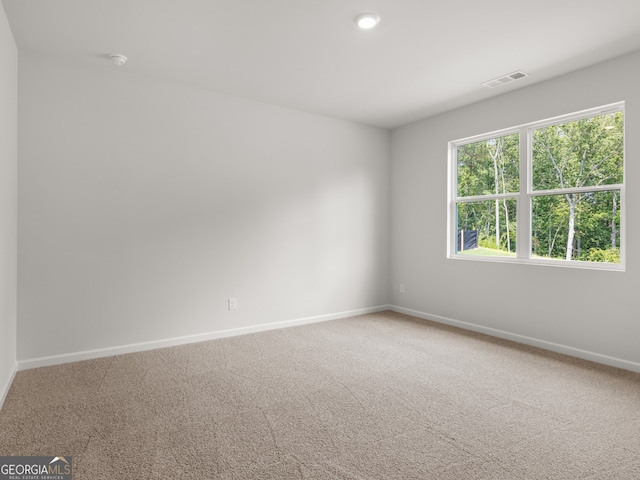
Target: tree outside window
(564, 193)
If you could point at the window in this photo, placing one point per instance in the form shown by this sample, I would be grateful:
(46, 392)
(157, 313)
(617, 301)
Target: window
(549, 192)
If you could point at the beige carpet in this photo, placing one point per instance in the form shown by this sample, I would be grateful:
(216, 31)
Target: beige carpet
(381, 396)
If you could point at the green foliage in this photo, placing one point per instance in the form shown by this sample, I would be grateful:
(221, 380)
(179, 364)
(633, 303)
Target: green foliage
(610, 255)
(488, 242)
(481, 216)
(477, 164)
(578, 154)
(489, 167)
(583, 153)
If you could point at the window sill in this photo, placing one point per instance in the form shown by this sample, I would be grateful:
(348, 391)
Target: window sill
(610, 267)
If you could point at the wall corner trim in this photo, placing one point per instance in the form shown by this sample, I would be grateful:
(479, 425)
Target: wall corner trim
(4, 389)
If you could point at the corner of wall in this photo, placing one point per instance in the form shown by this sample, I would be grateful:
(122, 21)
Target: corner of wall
(6, 385)
(8, 204)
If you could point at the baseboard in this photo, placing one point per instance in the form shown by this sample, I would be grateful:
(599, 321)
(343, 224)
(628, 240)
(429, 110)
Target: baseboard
(4, 389)
(534, 342)
(201, 337)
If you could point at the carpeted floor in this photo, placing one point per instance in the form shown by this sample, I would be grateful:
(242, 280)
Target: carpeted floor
(381, 396)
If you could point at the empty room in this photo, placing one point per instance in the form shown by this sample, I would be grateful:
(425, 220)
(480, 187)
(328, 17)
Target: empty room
(362, 239)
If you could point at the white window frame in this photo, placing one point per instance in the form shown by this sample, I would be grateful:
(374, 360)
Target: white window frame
(527, 193)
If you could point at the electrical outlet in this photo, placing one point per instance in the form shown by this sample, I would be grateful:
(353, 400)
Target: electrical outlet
(402, 288)
(233, 304)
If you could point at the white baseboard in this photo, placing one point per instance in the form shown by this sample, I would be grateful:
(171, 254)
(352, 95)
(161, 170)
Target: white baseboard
(171, 342)
(4, 389)
(534, 342)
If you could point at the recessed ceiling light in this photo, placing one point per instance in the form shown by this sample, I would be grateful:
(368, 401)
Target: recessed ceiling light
(118, 59)
(367, 20)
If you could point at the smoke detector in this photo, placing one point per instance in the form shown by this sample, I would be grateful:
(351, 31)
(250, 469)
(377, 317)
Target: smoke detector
(496, 82)
(118, 59)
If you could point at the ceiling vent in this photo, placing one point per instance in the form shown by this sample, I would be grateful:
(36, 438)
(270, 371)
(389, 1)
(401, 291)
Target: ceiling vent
(496, 82)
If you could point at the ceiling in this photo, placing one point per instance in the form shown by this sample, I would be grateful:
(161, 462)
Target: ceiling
(425, 57)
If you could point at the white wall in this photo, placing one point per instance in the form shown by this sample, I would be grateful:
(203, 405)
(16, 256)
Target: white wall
(144, 206)
(588, 313)
(8, 199)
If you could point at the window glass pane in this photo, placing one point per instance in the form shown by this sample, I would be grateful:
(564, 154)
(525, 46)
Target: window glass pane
(482, 232)
(581, 153)
(578, 226)
(489, 167)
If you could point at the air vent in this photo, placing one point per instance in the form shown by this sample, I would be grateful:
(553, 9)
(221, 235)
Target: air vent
(496, 82)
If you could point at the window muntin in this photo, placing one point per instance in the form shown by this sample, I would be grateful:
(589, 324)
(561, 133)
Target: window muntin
(559, 184)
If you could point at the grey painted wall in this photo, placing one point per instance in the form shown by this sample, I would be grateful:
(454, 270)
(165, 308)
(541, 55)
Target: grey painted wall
(585, 310)
(8, 199)
(144, 206)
